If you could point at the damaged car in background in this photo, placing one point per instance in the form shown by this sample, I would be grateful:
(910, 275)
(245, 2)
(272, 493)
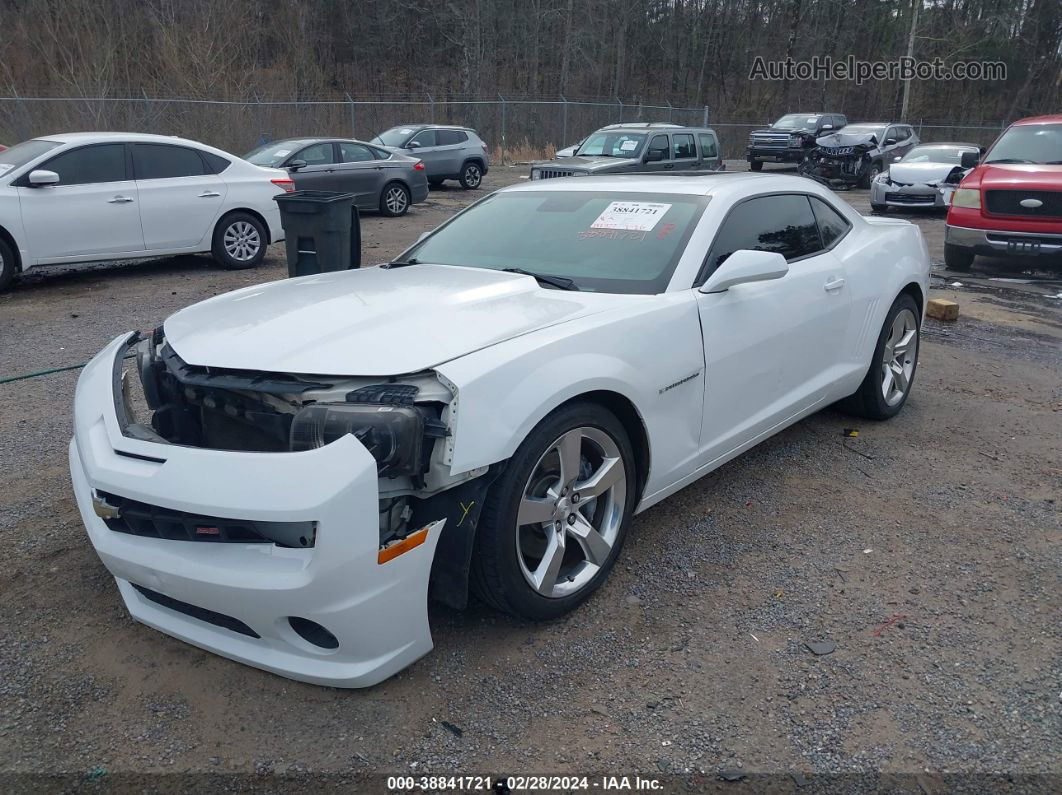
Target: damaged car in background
(924, 177)
(853, 157)
(283, 474)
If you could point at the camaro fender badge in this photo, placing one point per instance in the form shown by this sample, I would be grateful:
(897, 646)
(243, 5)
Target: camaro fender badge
(680, 382)
(104, 509)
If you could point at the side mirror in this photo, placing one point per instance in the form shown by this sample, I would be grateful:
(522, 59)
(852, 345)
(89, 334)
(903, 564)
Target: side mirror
(968, 160)
(295, 165)
(890, 141)
(826, 127)
(41, 177)
(412, 145)
(743, 266)
(654, 155)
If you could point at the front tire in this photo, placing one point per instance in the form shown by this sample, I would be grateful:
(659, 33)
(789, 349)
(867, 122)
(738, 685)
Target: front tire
(555, 520)
(957, 259)
(394, 200)
(889, 380)
(471, 176)
(7, 265)
(756, 165)
(239, 241)
(879, 208)
(872, 172)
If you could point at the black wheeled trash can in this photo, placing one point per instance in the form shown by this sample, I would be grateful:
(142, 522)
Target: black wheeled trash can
(322, 231)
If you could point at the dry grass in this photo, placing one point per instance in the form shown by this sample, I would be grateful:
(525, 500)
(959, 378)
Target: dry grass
(522, 152)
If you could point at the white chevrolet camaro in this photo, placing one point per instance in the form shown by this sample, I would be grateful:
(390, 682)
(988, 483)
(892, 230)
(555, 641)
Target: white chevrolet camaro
(283, 474)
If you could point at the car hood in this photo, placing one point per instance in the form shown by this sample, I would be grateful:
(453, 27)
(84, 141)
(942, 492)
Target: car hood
(920, 173)
(847, 139)
(1015, 176)
(588, 163)
(374, 321)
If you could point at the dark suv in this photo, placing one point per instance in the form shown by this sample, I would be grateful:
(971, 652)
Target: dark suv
(789, 139)
(628, 149)
(448, 152)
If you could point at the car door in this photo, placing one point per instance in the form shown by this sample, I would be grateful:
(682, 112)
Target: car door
(179, 199)
(772, 349)
(93, 211)
(709, 151)
(319, 173)
(658, 143)
(359, 172)
(451, 147)
(423, 145)
(686, 157)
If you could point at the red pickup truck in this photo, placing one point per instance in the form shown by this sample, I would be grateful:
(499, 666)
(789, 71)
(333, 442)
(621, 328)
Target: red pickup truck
(1011, 203)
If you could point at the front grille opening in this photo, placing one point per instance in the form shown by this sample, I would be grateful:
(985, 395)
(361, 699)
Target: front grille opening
(312, 632)
(199, 613)
(152, 521)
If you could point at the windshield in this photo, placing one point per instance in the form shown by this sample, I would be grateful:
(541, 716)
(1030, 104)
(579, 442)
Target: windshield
(796, 121)
(396, 136)
(22, 153)
(936, 154)
(863, 129)
(1028, 143)
(272, 155)
(608, 242)
(613, 144)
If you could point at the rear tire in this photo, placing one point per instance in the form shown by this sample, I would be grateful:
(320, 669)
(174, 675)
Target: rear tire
(8, 267)
(879, 208)
(538, 512)
(957, 259)
(435, 183)
(895, 362)
(872, 172)
(471, 176)
(239, 241)
(394, 199)
(756, 165)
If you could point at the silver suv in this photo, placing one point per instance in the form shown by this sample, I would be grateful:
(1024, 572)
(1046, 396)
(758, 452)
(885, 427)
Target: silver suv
(637, 148)
(448, 152)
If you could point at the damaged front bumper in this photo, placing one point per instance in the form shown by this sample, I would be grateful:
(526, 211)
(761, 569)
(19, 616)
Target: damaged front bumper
(336, 613)
(909, 195)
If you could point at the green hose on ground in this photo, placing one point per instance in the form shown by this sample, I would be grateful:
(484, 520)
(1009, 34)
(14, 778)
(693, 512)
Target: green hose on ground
(41, 372)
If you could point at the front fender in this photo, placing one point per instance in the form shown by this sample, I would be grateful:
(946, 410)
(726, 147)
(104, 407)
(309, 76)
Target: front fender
(637, 351)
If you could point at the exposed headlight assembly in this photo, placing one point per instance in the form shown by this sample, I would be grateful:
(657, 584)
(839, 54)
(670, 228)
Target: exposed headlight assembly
(394, 435)
(796, 141)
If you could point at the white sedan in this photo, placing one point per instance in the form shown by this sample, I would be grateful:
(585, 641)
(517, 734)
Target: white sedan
(501, 399)
(86, 197)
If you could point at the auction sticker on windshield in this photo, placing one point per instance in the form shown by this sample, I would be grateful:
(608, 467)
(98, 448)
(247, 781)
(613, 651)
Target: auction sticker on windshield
(631, 216)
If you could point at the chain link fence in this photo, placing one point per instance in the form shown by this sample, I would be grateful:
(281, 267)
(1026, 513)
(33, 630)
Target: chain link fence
(515, 128)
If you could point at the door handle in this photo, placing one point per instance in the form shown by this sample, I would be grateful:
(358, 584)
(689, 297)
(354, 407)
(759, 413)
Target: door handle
(119, 200)
(833, 284)
(209, 194)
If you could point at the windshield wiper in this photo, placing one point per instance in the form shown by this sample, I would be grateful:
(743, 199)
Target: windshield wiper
(1009, 160)
(560, 282)
(399, 264)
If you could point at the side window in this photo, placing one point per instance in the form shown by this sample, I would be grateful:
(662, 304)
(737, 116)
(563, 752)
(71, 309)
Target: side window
(450, 137)
(215, 163)
(708, 146)
(424, 138)
(380, 154)
(317, 155)
(160, 161)
(660, 144)
(892, 132)
(354, 153)
(684, 147)
(832, 225)
(782, 224)
(89, 165)
(841, 121)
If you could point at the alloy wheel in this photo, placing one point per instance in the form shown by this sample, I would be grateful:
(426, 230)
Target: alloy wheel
(396, 200)
(571, 511)
(242, 241)
(473, 176)
(899, 357)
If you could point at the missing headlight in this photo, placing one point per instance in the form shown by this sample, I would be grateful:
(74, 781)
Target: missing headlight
(394, 435)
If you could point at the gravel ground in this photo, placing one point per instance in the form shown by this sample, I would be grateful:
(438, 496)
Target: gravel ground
(926, 551)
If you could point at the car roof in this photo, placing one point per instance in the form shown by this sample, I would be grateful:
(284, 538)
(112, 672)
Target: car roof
(434, 127)
(104, 137)
(657, 128)
(947, 143)
(1055, 118)
(693, 184)
(871, 123)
